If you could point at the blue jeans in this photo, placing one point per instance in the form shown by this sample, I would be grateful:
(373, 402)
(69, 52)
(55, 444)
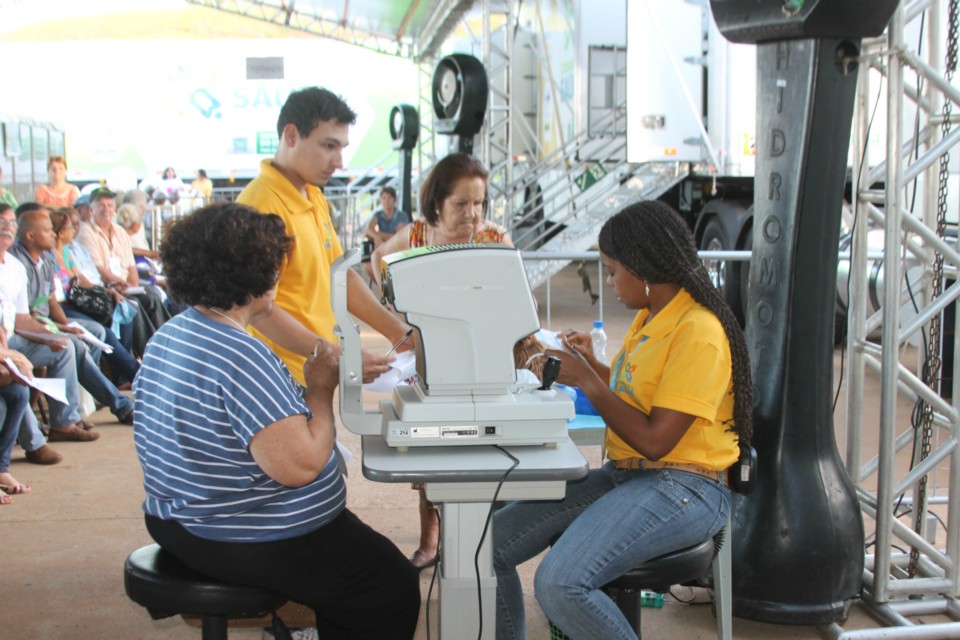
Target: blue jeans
(59, 364)
(15, 403)
(125, 365)
(30, 437)
(611, 522)
(75, 365)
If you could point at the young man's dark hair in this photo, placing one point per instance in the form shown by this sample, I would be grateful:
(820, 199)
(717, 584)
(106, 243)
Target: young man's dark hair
(307, 107)
(390, 190)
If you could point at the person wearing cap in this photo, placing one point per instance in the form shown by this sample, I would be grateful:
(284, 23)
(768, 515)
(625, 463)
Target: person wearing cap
(59, 192)
(82, 205)
(112, 251)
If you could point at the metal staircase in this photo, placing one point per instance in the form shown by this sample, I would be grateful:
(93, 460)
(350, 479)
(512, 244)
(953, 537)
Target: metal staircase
(570, 194)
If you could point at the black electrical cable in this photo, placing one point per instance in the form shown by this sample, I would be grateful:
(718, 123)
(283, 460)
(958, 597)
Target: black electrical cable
(853, 228)
(483, 534)
(433, 576)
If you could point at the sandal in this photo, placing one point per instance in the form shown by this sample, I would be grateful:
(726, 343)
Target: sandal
(4, 498)
(14, 489)
(417, 560)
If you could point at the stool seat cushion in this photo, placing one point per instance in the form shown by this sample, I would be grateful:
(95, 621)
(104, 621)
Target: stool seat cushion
(157, 580)
(662, 572)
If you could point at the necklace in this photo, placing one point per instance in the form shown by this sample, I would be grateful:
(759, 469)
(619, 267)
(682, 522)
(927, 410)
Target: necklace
(228, 318)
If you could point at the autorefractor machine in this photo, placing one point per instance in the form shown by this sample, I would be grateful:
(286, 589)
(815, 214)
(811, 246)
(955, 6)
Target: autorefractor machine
(468, 306)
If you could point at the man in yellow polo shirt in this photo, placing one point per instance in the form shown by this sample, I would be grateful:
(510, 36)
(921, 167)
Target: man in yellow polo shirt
(314, 129)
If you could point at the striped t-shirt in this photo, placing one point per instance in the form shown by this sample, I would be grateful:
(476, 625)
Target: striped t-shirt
(204, 390)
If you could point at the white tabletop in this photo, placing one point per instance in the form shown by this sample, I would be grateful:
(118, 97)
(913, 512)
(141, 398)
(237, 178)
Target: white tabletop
(470, 463)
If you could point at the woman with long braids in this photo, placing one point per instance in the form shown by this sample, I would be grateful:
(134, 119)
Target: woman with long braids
(676, 402)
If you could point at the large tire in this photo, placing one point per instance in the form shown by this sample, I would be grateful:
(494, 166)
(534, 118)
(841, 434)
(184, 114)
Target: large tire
(725, 274)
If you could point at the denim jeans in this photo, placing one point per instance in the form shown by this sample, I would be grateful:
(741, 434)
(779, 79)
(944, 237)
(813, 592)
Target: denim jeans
(30, 437)
(15, 403)
(610, 522)
(75, 365)
(59, 364)
(93, 380)
(121, 360)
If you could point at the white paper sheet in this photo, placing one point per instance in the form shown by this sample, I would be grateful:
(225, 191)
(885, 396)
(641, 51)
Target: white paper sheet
(56, 388)
(400, 369)
(89, 338)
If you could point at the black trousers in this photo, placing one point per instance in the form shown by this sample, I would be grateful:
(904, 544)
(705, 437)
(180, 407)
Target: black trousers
(357, 582)
(150, 317)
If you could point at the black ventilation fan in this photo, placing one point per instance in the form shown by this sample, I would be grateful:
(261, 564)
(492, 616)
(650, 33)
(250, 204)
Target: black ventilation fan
(404, 126)
(460, 94)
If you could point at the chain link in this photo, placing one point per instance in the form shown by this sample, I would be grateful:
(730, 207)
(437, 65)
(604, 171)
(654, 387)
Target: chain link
(933, 363)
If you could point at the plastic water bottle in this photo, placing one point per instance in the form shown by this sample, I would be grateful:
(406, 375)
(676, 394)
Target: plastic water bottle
(599, 338)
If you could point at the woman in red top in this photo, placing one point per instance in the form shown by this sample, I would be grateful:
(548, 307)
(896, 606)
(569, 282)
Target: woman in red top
(453, 201)
(59, 193)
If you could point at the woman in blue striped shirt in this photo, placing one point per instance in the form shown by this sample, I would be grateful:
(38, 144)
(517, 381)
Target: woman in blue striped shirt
(239, 467)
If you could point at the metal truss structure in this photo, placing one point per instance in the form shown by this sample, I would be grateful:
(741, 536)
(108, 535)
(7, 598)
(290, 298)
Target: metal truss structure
(417, 34)
(915, 564)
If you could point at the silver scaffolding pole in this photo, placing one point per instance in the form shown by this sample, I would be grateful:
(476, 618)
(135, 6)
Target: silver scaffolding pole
(896, 586)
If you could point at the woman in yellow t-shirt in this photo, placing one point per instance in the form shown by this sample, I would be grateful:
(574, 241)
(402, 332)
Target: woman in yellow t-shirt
(676, 402)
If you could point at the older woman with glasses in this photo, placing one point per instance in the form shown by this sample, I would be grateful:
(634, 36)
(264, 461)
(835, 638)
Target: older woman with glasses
(239, 465)
(125, 366)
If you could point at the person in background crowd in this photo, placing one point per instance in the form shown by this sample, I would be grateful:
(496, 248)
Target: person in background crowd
(130, 218)
(52, 351)
(82, 207)
(6, 196)
(241, 479)
(202, 185)
(15, 402)
(59, 192)
(35, 238)
(141, 200)
(124, 365)
(171, 184)
(30, 437)
(384, 223)
(110, 248)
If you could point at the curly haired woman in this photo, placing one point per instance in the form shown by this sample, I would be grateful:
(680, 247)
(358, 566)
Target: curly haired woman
(238, 463)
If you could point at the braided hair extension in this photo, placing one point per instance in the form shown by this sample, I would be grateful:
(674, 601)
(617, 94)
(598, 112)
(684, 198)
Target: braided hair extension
(652, 241)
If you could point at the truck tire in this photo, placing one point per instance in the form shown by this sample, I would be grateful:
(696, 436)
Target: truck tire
(723, 273)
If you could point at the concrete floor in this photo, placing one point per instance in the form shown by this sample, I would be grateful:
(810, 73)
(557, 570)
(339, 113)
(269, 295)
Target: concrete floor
(65, 542)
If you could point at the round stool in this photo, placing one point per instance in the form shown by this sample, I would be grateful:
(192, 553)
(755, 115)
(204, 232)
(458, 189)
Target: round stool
(659, 574)
(158, 581)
